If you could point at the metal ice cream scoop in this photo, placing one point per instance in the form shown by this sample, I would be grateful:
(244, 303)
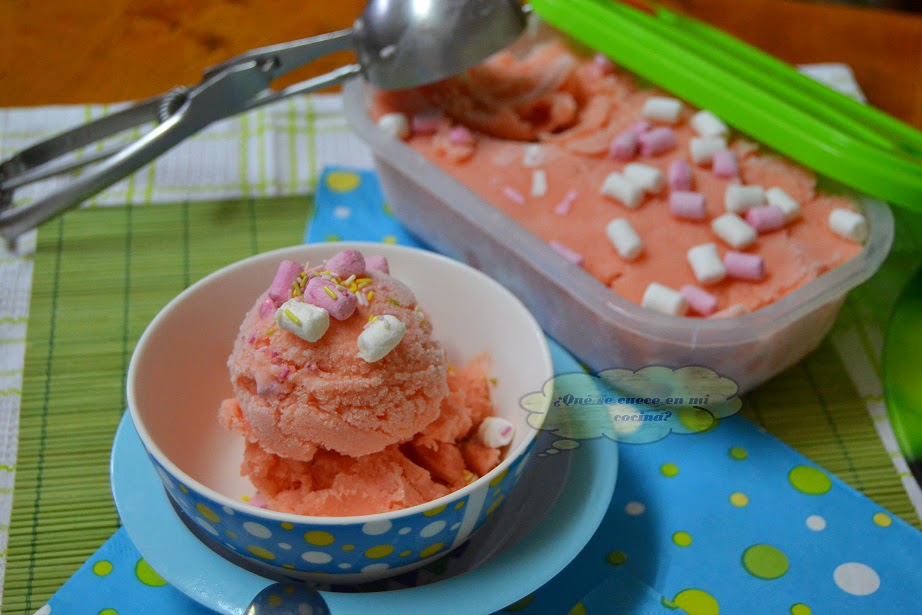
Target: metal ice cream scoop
(399, 44)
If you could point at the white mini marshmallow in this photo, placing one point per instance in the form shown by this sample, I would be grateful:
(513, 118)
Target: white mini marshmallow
(538, 182)
(649, 178)
(783, 201)
(380, 337)
(738, 199)
(734, 231)
(706, 263)
(306, 320)
(621, 189)
(707, 124)
(663, 109)
(533, 156)
(702, 149)
(625, 239)
(495, 432)
(394, 125)
(849, 224)
(663, 299)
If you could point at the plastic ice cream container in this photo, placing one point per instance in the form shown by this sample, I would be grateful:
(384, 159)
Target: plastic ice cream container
(604, 329)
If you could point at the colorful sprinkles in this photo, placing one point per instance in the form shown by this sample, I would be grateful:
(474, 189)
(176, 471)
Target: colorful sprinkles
(292, 317)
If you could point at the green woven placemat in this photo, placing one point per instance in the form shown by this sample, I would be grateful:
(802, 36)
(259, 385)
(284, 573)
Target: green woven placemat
(102, 274)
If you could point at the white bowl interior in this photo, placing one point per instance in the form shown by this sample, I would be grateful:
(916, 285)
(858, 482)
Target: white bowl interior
(178, 373)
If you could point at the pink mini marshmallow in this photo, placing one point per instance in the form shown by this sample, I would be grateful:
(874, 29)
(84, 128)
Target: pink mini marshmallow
(603, 64)
(340, 308)
(268, 307)
(700, 301)
(680, 175)
(377, 263)
(563, 207)
(280, 289)
(426, 123)
(459, 135)
(514, 195)
(346, 263)
(745, 266)
(624, 146)
(723, 164)
(571, 255)
(687, 205)
(258, 501)
(639, 127)
(266, 385)
(765, 218)
(657, 141)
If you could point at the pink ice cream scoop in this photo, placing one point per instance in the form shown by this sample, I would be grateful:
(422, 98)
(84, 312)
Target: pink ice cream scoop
(441, 458)
(295, 396)
(332, 432)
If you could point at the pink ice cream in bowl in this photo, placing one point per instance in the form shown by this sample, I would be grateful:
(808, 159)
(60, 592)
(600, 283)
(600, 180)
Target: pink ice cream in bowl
(338, 412)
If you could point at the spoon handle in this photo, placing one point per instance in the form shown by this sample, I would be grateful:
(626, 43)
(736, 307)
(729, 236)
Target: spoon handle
(277, 60)
(321, 82)
(240, 84)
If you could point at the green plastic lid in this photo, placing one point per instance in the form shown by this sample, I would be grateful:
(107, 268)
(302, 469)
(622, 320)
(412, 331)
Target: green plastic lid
(902, 369)
(755, 93)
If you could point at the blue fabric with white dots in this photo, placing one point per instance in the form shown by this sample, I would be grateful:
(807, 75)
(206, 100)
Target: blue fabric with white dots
(752, 541)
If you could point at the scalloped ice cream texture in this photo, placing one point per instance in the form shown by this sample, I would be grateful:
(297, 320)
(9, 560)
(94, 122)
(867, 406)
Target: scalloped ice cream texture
(573, 108)
(329, 434)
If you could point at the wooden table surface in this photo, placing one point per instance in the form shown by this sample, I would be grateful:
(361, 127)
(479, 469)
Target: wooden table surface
(60, 51)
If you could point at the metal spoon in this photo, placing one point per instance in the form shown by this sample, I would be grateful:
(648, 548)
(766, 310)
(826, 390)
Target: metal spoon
(399, 44)
(288, 599)
(403, 44)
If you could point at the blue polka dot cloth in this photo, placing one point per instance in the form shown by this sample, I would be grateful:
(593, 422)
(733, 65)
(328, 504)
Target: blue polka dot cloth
(730, 520)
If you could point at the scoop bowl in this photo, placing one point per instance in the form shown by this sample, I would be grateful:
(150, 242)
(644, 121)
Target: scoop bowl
(178, 377)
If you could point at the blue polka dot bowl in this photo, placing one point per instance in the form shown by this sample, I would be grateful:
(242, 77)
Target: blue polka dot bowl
(178, 377)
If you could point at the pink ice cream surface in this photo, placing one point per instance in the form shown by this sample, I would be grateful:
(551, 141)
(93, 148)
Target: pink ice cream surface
(331, 398)
(558, 100)
(436, 462)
